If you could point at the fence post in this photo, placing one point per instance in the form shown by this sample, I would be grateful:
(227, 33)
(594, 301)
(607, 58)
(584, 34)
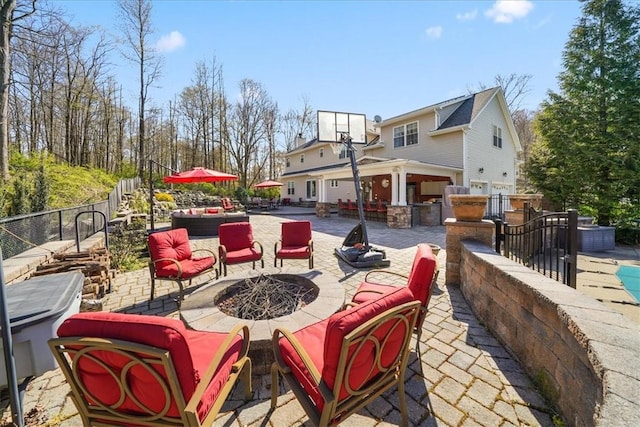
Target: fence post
(60, 224)
(572, 246)
(499, 236)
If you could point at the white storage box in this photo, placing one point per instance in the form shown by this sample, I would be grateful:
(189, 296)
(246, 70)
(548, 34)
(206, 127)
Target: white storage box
(36, 308)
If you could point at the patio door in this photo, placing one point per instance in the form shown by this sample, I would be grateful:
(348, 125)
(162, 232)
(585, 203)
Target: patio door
(311, 190)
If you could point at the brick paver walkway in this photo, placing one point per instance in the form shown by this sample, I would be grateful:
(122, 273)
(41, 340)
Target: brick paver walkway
(461, 377)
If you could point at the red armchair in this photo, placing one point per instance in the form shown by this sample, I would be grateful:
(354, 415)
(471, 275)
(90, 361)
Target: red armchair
(227, 204)
(237, 245)
(421, 281)
(171, 258)
(338, 365)
(295, 242)
(136, 370)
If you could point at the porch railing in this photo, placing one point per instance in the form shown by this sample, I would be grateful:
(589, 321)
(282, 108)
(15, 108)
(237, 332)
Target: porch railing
(546, 243)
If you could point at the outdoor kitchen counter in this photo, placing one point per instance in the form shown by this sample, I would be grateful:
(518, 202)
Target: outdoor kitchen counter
(205, 224)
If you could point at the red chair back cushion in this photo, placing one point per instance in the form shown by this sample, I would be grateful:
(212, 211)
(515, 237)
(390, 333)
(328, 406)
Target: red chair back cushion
(235, 235)
(296, 233)
(172, 244)
(363, 366)
(161, 332)
(421, 275)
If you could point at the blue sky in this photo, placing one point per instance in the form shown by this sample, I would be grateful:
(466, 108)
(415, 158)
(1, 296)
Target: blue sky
(373, 57)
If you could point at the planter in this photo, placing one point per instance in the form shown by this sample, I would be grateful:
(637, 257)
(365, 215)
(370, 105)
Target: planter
(517, 201)
(468, 207)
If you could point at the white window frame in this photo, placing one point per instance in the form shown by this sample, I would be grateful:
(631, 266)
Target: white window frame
(321, 152)
(343, 152)
(402, 137)
(301, 158)
(288, 162)
(333, 183)
(291, 188)
(497, 136)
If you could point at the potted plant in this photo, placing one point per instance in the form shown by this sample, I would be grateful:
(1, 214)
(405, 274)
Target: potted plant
(517, 201)
(468, 207)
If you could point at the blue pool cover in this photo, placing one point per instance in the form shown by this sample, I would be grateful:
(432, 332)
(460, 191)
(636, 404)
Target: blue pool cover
(629, 275)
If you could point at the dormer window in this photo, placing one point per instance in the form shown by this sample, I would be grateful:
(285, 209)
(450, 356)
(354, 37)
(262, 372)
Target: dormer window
(321, 152)
(301, 158)
(288, 162)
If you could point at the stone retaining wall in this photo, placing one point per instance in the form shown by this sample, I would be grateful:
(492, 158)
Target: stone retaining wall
(584, 356)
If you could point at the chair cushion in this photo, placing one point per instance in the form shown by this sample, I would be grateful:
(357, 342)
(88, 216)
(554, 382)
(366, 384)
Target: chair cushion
(243, 255)
(367, 291)
(173, 244)
(294, 252)
(296, 233)
(235, 236)
(191, 353)
(421, 275)
(190, 268)
(323, 341)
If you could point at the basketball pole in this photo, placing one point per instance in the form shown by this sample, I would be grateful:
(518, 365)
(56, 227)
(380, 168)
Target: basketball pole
(345, 138)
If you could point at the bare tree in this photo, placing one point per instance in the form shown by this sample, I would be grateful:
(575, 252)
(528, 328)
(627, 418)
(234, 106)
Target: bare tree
(296, 123)
(248, 130)
(8, 18)
(135, 25)
(514, 86)
(523, 122)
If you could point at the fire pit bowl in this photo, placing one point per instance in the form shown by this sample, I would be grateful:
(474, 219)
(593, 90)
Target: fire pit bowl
(200, 310)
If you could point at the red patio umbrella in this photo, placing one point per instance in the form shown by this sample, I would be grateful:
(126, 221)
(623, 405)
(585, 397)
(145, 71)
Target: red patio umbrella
(268, 184)
(199, 174)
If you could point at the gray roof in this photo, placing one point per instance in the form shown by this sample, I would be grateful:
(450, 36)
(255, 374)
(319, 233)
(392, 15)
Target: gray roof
(319, 168)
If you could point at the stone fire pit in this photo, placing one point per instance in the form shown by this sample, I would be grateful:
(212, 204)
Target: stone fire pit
(199, 310)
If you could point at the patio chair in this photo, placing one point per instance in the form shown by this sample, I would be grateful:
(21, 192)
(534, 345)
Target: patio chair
(382, 210)
(137, 370)
(352, 208)
(421, 281)
(338, 365)
(171, 258)
(227, 204)
(370, 210)
(237, 246)
(342, 207)
(295, 242)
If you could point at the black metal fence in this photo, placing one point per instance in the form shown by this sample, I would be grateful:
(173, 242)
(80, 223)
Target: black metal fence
(23, 232)
(546, 243)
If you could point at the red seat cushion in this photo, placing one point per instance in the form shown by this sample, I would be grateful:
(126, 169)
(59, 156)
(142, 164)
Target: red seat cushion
(190, 268)
(243, 255)
(299, 252)
(191, 353)
(173, 244)
(367, 291)
(323, 343)
(235, 236)
(212, 210)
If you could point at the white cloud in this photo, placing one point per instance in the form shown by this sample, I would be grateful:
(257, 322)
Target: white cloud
(505, 11)
(170, 42)
(467, 16)
(434, 32)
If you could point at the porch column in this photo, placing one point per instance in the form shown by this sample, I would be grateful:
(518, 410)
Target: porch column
(394, 186)
(402, 188)
(323, 208)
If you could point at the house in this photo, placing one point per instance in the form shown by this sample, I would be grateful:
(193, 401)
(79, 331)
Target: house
(409, 159)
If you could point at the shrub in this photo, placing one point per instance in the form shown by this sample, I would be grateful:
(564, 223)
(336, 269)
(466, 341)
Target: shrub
(164, 197)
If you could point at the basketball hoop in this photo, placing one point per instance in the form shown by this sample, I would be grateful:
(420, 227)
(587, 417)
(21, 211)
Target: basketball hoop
(336, 147)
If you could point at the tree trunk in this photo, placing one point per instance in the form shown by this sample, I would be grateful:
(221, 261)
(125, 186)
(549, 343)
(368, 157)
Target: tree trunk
(6, 22)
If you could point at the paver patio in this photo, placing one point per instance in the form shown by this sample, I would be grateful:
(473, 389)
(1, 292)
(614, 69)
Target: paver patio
(462, 375)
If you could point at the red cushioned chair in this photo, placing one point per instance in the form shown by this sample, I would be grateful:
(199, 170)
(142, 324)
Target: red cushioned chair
(227, 204)
(295, 242)
(338, 365)
(381, 209)
(172, 259)
(237, 245)
(421, 281)
(135, 370)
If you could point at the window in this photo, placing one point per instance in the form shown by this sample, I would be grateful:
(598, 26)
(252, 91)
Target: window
(301, 158)
(311, 189)
(333, 183)
(291, 189)
(497, 136)
(405, 135)
(343, 152)
(288, 162)
(321, 152)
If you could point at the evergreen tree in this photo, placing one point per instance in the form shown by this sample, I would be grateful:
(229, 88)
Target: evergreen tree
(589, 155)
(40, 196)
(19, 203)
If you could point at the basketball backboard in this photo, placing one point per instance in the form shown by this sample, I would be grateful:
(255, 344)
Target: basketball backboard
(332, 124)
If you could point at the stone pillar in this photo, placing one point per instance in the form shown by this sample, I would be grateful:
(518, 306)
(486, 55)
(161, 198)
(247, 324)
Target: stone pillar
(399, 216)
(323, 209)
(457, 231)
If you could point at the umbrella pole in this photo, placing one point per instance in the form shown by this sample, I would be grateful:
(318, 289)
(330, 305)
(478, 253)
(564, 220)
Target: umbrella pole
(9, 360)
(152, 224)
